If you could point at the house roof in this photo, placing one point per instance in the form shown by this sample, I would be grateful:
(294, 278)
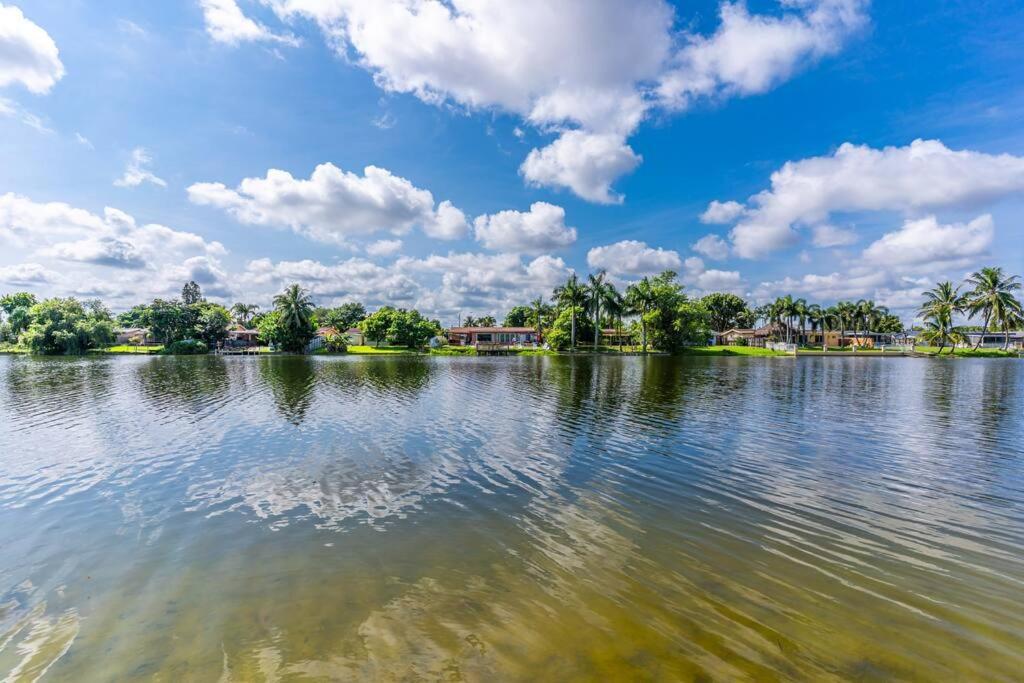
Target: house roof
(474, 330)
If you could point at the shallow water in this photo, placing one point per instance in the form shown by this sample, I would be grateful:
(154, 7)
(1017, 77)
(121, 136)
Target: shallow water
(485, 519)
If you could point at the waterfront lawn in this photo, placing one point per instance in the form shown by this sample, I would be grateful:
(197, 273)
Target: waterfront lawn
(381, 350)
(968, 353)
(129, 348)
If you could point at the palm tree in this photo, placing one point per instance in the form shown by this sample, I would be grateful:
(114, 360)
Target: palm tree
(845, 312)
(615, 304)
(815, 315)
(641, 299)
(1010, 319)
(574, 295)
(244, 313)
(992, 295)
(938, 309)
(800, 311)
(595, 290)
(295, 308)
(540, 309)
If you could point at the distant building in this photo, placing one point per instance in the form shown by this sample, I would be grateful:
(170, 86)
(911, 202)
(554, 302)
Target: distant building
(133, 335)
(996, 340)
(471, 336)
(242, 336)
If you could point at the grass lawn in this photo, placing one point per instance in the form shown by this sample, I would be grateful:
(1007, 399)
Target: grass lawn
(128, 348)
(730, 351)
(968, 353)
(381, 350)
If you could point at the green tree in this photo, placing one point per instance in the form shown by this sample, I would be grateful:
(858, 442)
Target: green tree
(518, 316)
(15, 307)
(63, 326)
(603, 297)
(541, 314)
(342, 317)
(409, 328)
(941, 303)
(571, 295)
(243, 313)
(296, 317)
(377, 325)
(136, 316)
(212, 323)
(169, 321)
(992, 296)
(727, 311)
(641, 299)
(191, 293)
(486, 321)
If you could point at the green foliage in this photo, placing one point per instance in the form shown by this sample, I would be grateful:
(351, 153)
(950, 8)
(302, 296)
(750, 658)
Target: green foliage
(560, 335)
(519, 316)
(136, 316)
(212, 321)
(375, 326)
(191, 293)
(295, 318)
(726, 311)
(186, 347)
(15, 308)
(63, 326)
(336, 343)
(9, 302)
(243, 313)
(400, 327)
(342, 317)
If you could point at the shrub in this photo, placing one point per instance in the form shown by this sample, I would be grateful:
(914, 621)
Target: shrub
(336, 343)
(186, 347)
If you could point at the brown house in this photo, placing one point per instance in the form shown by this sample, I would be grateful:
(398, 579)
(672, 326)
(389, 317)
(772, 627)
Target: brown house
(471, 336)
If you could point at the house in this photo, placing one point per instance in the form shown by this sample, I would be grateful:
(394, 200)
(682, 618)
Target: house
(355, 336)
(133, 335)
(613, 337)
(513, 336)
(242, 336)
(996, 340)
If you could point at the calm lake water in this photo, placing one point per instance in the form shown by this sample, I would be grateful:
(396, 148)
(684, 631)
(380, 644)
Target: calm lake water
(244, 519)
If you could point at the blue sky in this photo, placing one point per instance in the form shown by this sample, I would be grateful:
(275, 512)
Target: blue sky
(144, 144)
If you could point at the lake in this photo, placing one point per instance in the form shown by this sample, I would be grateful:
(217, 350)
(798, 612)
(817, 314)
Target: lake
(482, 519)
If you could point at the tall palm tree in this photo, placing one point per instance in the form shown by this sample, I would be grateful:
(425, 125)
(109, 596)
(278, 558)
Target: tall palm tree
(244, 313)
(800, 312)
(941, 303)
(572, 295)
(815, 314)
(540, 309)
(991, 294)
(1011, 318)
(845, 312)
(641, 299)
(595, 290)
(295, 307)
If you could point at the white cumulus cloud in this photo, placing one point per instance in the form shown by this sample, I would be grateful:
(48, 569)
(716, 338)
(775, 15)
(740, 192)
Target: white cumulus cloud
(924, 175)
(384, 247)
(631, 257)
(540, 229)
(226, 23)
(721, 212)
(28, 54)
(926, 242)
(333, 204)
(711, 246)
(594, 68)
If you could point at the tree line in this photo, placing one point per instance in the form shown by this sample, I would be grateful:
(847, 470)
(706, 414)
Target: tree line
(660, 315)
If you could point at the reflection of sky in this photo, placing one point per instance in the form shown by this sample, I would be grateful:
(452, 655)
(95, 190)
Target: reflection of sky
(683, 502)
